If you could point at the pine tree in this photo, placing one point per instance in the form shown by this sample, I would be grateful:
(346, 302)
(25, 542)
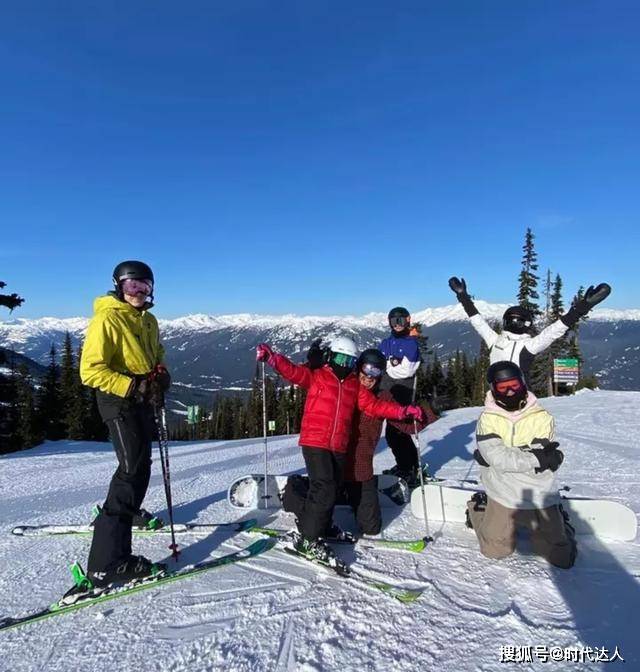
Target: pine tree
(71, 394)
(528, 280)
(27, 430)
(48, 401)
(480, 368)
(10, 301)
(9, 408)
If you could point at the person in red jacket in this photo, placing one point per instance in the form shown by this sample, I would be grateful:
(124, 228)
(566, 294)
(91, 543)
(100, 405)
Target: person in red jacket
(334, 393)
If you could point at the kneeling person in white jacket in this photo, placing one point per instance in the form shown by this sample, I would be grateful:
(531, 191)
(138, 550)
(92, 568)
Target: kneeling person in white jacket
(518, 462)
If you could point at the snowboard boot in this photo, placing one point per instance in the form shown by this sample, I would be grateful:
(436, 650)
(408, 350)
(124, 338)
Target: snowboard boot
(394, 471)
(144, 520)
(132, 568)
(479, 500)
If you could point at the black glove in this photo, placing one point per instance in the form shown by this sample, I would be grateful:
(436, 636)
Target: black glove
(149, 389)
(317, 355)
(580, 307)
(547, 444)
(477, 456)
(459, 286)
(549, 458)
(162, 377)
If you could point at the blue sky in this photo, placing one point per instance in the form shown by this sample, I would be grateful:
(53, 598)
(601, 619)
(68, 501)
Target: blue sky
(321, 158)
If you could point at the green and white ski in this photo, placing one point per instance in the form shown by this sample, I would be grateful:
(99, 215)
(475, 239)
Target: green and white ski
(413, 545)
(180, 528)
(404, 595)
(79, 600)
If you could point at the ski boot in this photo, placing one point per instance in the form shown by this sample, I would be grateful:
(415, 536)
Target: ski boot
(144, 520)
(133, 568)
(315, 549)
(336, 533)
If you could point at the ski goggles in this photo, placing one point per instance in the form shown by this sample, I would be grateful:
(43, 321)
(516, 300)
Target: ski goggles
(511, 385)
(517, 321)
(340, 359)
(399, 321)
(133, 287)
(370, 371)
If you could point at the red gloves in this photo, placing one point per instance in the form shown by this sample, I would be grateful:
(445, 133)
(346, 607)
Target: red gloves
(264, 353)
(414, 413)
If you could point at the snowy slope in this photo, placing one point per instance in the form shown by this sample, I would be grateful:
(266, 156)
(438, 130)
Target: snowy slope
(276, 613)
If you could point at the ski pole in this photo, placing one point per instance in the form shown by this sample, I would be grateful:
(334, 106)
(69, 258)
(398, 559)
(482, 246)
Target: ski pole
(163, 444)
(416, 441)
(264, 433)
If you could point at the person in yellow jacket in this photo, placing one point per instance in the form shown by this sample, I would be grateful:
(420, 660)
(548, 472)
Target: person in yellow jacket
(518, 462)
(122, 358)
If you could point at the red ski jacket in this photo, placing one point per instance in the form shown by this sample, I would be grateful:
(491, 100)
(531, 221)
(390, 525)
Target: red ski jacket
(328, 411)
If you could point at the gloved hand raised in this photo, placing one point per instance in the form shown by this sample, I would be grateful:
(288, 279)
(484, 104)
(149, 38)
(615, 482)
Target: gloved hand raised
(458, 285)
(316, 356)
(414, 413)
(592, 297)
(264, 353)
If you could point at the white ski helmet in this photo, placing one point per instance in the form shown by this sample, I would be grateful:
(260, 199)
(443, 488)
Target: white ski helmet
(344, 345)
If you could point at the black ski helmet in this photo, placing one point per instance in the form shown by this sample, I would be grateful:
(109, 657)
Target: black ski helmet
(402, 314)
(134, 270)
(502, 371)
(517, 320)
(373, 357)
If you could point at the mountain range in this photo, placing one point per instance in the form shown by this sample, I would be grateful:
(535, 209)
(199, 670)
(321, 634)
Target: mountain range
(213, 354)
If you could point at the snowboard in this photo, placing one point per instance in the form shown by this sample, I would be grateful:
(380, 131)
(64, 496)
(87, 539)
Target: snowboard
(599, 517)
(248, 492)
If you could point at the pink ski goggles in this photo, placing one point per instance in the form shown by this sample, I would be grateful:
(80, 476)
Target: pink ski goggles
(133, 287)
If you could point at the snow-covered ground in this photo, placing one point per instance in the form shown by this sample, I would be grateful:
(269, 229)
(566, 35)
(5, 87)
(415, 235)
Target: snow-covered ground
(278, 613)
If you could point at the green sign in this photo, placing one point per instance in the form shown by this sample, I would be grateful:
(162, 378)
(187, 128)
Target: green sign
(565, 363)
(193, 414)
(272, 425)
(566, 371)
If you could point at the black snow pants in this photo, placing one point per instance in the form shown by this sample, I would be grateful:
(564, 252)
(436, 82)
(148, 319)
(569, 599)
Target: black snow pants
(313, 505)
(401, 444)
(132, 432)
(361, 497)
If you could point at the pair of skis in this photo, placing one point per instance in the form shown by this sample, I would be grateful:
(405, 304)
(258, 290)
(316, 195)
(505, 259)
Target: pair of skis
(250, 525)
(75, 600)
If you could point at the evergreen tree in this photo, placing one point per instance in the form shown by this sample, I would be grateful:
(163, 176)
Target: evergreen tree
(480, 368)
(49, 402)
(10, 301)
(71, 394)
(9, 408)
(528, 280)
(547, 295)
(557, 306)
(27, 430)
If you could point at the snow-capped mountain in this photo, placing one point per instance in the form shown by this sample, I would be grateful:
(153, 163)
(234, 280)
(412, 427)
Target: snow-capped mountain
(208, 353)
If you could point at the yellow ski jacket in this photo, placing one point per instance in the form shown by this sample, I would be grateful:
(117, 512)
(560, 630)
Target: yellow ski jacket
(121, 342)
(505, 441)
